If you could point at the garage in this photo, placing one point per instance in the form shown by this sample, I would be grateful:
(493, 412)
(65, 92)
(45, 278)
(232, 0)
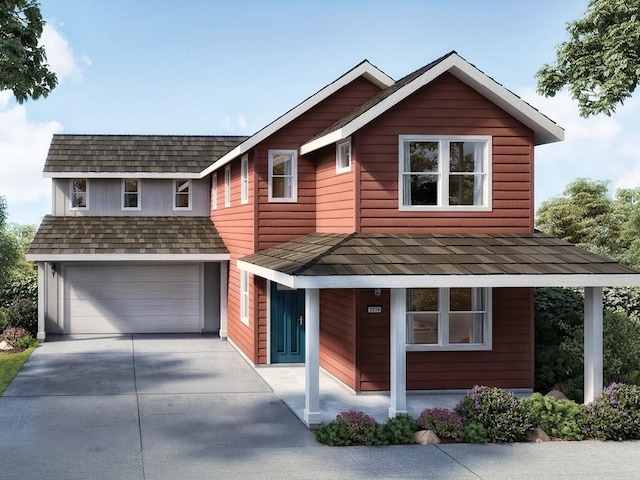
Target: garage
(133, 298)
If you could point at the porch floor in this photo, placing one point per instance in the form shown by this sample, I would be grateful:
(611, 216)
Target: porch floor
(288, 384)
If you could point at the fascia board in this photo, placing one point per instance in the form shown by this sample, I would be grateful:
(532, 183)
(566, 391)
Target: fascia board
(152, 175)
(266, 273)
(365, 69)
(107, 257)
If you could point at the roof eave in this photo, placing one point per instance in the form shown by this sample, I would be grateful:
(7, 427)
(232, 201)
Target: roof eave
(139, 257)
(152, 175)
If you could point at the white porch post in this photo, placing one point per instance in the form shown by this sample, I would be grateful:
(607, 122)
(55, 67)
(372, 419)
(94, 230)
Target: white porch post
(42, 300)
(224, 275)
(398, 351)
(593, 381)
(312, 357)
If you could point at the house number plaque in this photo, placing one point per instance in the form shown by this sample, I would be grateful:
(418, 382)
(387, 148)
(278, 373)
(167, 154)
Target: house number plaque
(374, 309)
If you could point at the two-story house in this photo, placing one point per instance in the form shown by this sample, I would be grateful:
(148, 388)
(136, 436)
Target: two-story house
(381, 230)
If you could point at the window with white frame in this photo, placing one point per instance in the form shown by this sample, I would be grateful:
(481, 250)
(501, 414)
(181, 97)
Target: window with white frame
(227, 186)
(244, 296)
(214, 190)
(449, 318)
(283, 172)
(130, 194)
(79, 193)
(445, 173)
(244, 179)
(343, 156)
(182, 194)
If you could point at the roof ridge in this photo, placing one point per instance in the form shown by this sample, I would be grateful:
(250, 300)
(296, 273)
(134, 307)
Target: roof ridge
(329, 251)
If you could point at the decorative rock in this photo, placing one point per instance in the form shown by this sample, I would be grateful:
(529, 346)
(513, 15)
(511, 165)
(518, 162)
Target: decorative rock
(426, 437)
(537, 436)
(557, 394)
(5, 346)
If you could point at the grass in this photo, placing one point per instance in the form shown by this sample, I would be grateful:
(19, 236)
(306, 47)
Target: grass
(10, 365)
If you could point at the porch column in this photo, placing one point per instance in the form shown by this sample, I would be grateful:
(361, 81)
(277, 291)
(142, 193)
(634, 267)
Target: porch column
(42, 300)
(398, 351)
(312, 357)
(593, 382)
(224, 275)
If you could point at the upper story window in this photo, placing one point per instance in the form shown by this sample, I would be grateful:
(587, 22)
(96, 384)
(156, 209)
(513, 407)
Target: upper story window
(343, 156)
(227, 186)
(182, 194)
(130, 194)
(79, 193)
(244, 297)
(283, 176)
(214, 190)
(449, 318)
(445, 173)
(244, 179)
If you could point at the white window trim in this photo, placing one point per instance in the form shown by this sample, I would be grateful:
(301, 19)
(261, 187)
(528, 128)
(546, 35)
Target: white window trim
(214, 191)
(339, 167)
(294, 175)
(175, 191)
(443, 327)
(86, 193)
(138, 192)
(244, 297)
(227, 186)
(443, 187)
(244, 179)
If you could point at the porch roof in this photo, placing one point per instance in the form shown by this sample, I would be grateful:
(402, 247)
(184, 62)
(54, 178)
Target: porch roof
(324, 260)
(127, 239)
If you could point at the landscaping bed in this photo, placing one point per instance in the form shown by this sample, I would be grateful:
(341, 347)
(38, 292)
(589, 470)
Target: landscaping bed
(16, 346)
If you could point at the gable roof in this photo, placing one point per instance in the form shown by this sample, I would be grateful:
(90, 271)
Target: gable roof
(127, 238)
(322, 260)
(545, 130)
(363, 69)
(155, 156)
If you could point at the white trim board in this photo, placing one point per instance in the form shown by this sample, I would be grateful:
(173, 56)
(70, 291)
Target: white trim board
(138, 175)
(137, 257)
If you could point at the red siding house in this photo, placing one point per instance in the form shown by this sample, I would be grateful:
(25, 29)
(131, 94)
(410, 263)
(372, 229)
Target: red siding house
(381, 230)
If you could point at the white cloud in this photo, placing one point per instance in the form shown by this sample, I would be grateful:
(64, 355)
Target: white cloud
(232, 124)
(60, 56)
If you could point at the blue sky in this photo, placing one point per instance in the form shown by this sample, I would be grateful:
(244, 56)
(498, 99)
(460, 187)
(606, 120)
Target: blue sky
(209, 67)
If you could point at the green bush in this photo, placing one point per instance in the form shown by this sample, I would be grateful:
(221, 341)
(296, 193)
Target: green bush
(352, 428)
(474, 432)
(400, 429)
(23, 313)
(447, 425)
(558, 418)
(18, 338)
(498, 411)
(615, 414)
(21, 283)
(334, 434)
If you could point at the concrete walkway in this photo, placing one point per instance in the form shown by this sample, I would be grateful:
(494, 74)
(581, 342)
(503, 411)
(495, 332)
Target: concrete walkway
(189, 407)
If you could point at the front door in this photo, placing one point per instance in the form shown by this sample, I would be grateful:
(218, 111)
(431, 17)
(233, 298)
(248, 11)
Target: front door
(287, 324)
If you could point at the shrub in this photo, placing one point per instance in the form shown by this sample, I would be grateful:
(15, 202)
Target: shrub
(18, 338)
(498, 411)
(352, 428)
(615, 414)
(20, 283)
(400, 429)
(558, 418)
(23, 313)
(333, 434)
(474, 432)
(444, 423)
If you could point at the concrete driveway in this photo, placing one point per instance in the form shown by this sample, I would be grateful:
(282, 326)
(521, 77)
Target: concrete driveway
(171, 407)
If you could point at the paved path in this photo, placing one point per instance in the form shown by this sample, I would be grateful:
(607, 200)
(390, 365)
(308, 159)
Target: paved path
(158, 407)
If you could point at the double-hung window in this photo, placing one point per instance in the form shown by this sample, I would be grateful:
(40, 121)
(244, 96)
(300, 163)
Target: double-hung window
(283, 176)
(449, 318)
(244, 296)
(227, 186)
(79, 194)
(182, 194)
(445, 173)
(130, 194)
(244, 179)
(343, 156)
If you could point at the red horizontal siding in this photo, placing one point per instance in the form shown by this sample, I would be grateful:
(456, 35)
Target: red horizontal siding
(337, 334)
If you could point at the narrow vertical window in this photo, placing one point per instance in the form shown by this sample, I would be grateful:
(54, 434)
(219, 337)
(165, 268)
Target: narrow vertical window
(214, 191)
(227, 186)
(182, 195)
(343, 156)
(79, 193)
(283, 176)
(244, 296)
(130, 194)
(244, 179)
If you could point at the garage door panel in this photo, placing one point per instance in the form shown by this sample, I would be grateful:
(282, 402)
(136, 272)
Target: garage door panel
(179, 290)
(133, 273)
(159, 324)
(136, 308)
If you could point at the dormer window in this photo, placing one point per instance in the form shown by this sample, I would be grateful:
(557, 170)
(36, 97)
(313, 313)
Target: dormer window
(79, 194)
(130, 194)
(343, 156)
(182, 195)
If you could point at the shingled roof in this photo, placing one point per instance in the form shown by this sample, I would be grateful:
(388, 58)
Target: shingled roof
(153, 154)
(435, 256)
(65, 238)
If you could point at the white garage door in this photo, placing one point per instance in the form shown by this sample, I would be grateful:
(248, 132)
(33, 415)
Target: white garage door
(132, 298)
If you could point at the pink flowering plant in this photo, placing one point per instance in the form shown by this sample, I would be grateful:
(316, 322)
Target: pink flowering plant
(359, 425)
(447, 425)
(615, 414)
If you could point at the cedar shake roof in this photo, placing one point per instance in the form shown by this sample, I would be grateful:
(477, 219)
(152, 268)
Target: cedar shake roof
(321, 254)
(136, 153)
(129, 235)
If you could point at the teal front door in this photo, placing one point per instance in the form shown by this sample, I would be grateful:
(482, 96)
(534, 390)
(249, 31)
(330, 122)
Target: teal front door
(287, 324)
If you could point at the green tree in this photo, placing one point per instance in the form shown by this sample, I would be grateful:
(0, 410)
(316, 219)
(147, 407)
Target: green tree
(599, 62)
(9, 249)
(23, 67)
